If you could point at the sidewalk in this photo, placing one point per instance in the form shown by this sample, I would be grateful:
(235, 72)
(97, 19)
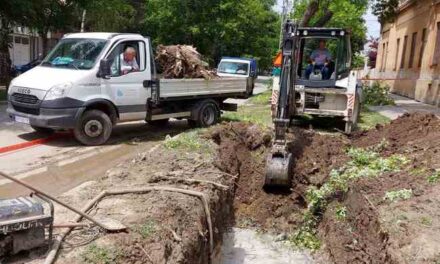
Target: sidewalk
(404, 105)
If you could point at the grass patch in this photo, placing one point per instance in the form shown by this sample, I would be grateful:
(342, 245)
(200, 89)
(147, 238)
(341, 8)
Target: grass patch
(434, 178)
(400, 195)
(261, 99)
(369, 119)
(190, 140)
(341, 212)
(3, 95)
(363, 163)
(257, 114)
(426, 221)
(147, 229)
(99, 255)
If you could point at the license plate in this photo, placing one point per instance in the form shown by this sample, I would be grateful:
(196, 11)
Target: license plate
(21, 119)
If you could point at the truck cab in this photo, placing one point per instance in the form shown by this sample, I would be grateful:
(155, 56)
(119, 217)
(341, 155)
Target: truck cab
(240, 68)
(91, 81)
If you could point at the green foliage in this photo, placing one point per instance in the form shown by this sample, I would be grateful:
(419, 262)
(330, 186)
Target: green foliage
(364, 163)
(110, 16)
(3, 95)
(341, 212)
(426, 221)
(358, 61)
(377, 94)
(399, 195)
(385, 10)
(261, 99)
(99, 255)
(346, 14)
(369, 119)
(147, 229)
(216, 28)
(306, 238)
(256, 114)
(188, 141)
(434, 178)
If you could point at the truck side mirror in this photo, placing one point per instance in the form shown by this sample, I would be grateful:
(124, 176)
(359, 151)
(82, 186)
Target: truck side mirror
(104, 69)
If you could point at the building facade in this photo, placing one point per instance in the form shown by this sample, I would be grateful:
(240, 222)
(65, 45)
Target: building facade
(27, 45)
(409, 51)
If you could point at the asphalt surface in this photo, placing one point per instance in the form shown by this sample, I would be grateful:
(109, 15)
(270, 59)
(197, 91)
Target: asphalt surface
(62, 164)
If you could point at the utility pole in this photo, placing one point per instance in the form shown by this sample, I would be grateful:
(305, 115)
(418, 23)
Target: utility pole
(284, 16)
(83, 20)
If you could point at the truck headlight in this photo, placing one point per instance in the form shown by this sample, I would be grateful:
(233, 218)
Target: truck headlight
(58, 91)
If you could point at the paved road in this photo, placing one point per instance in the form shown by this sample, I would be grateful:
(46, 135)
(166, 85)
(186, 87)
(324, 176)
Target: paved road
(43, 164)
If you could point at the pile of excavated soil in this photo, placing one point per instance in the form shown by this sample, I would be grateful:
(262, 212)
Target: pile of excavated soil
(374, 231)
(164, 227)
(377, 231)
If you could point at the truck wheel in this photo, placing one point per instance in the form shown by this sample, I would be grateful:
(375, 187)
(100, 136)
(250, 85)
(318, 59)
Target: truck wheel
(43, 130)
(94, 128)
(159, 123)
(207, 115)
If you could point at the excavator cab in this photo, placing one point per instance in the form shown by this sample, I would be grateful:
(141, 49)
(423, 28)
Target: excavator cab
(313, 59)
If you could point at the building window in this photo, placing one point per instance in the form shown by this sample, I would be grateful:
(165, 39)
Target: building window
(25, 41)
(383, 57)
(436, 58)
(397, 54)
(422, 48)
(386, 57)
(405, 44)
(413, 50)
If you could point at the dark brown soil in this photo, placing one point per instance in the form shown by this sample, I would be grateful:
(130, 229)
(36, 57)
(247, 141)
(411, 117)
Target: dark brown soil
(365, 239)
(315, 156)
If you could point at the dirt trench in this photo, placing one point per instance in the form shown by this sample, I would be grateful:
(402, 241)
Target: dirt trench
(369, 233)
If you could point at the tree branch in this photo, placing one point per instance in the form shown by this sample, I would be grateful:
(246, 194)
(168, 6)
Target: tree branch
(324, 19)
(311, 10)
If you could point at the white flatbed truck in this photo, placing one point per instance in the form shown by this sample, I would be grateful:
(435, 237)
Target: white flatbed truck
(81, 86)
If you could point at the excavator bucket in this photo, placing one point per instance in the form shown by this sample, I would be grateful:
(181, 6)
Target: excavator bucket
(279, 171)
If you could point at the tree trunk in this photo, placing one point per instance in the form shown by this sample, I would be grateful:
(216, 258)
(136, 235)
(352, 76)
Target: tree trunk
(312, 8)
(5, 58)
(44, 42)
(324, 19)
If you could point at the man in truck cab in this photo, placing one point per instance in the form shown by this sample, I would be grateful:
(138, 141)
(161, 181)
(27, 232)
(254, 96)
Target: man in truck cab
(128, 61)
(125, 62)
(320, 59)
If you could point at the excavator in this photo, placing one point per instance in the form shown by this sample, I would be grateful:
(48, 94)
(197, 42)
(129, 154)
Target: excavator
(331, 89)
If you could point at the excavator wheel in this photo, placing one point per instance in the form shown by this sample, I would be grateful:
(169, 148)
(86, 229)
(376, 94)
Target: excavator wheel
(279, 172)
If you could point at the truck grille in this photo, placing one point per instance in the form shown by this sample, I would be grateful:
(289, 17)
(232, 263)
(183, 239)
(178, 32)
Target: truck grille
(25, 98)
(26, 110)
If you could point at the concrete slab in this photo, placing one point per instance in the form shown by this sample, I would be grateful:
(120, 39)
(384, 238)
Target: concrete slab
(404, 105)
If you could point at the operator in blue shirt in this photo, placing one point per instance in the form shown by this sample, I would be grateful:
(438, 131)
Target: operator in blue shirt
(320, 58)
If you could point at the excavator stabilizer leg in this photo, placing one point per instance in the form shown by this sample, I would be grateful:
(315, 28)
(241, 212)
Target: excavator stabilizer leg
(279, 171)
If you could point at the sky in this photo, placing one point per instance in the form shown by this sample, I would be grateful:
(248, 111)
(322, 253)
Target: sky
(373, 25)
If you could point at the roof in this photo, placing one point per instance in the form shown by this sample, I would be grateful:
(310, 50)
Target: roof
(238, 58)
(99, 35)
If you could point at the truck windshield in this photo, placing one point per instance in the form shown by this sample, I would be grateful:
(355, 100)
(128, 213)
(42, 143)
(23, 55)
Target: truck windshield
(233, 68)
(80, 54)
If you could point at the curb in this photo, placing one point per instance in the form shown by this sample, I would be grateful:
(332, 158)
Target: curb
(3, 102)
(32, 143)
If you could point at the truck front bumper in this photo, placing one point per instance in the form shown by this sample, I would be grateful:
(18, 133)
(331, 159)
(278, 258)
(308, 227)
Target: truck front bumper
(64, 118)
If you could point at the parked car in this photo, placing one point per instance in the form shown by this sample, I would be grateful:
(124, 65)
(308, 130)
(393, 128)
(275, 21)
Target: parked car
(239, 68)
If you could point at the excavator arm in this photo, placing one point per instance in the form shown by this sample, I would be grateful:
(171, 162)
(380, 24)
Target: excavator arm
(279, 162)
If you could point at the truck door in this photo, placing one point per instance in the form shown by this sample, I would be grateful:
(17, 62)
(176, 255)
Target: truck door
(125, 86)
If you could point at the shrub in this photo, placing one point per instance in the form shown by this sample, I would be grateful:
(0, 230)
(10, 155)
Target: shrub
(377, 94)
